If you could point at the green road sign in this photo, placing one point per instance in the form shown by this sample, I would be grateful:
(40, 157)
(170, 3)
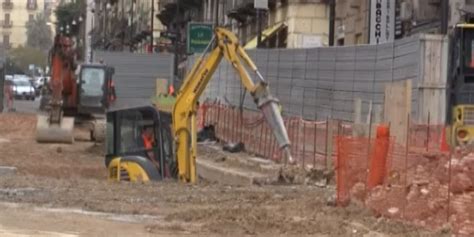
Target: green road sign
(199, 36)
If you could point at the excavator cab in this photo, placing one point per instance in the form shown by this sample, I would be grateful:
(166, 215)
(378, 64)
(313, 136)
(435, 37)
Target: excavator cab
(95, 88)
(461, 84)
(139, 145)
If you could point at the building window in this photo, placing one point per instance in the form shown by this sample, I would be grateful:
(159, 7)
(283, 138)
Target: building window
(31, 4)
(6, 19)
(340, 42)
(358, 39)
(7, 4)
(6, 40)
(31, 17)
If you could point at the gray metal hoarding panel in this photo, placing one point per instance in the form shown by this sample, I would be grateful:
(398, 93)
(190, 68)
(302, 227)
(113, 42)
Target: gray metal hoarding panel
(136, 74)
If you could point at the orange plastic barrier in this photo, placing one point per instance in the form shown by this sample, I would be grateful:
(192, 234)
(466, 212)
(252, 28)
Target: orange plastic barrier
(378, 159)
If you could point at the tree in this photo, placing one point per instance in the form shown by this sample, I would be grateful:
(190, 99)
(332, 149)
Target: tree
(66, 13)
(22, 57)
(39, 35)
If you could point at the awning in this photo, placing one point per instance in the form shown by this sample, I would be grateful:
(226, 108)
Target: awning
(265, 35)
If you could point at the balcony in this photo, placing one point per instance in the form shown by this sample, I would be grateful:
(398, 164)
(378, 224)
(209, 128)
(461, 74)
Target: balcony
(6, 24)
(7, 5)
(32, 6)
(167, 10)
(242, 10)
(184, 4)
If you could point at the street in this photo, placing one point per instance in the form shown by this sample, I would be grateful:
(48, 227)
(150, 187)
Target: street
(26, 106)
(237, 118)
(61, 190)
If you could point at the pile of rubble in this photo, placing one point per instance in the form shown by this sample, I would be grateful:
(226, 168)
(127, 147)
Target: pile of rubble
(420, 194)
(462, 191)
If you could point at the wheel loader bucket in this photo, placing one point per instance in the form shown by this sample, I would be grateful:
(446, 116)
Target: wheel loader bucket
(54, 133)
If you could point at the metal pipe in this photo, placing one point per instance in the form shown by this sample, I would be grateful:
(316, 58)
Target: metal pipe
(259, 28)
(315, 142)
(152, 26)
(332, 21)
(304, 144)
(131, 25)
(444, 16)
(216, 12)
(176, 41)
(105, 23)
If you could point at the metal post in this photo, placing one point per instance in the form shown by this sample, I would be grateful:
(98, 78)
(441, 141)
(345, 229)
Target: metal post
(216, 13)
(123, 18)
(105, 23)
(332, 21)
(131, 25)
(444, 16)
(88, 29)
(259, 28)
(176, 41)
(152, 26)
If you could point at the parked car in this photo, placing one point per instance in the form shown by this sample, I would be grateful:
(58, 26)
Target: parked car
(23, 89)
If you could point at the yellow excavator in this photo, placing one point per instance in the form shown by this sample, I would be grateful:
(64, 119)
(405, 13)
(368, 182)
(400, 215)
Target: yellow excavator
(146, 143)
(460, 91)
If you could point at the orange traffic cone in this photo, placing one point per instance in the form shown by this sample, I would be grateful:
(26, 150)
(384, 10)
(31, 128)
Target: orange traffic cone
(444, 147)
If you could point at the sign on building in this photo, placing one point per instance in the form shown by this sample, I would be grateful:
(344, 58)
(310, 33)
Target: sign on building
(382, 21)
(198, 37)
(261, 4)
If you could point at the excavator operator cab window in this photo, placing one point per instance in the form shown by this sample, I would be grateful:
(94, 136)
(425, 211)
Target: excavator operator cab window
(134, 132)
(467, 50)
(92, 81)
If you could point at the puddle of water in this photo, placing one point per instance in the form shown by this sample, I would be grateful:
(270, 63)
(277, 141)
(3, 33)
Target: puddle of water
(105, 215)
(6, 232)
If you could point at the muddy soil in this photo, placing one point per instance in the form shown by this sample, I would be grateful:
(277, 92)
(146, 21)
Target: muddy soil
(73, 176)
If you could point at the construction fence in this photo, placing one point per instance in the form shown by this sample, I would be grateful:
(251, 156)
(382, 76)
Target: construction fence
(419, 182)
(317, 83)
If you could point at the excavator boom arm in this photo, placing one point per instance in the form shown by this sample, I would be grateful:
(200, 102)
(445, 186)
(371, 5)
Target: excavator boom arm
(185, 108)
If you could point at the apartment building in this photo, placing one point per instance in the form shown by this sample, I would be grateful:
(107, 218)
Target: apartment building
(285, 24)
(411, 17)
(120, 24)
(15, 14)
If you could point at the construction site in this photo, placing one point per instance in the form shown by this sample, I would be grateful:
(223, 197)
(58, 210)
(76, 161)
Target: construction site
(358, 140)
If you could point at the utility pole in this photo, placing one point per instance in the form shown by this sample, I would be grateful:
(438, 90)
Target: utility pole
(122, 22)
(216, 13)
(176, 42)
(444, 16)
(332, 21)
(259, 28)
(88, 29)
(152, 25)
(260, 6)
(131, 25)
(104, 11)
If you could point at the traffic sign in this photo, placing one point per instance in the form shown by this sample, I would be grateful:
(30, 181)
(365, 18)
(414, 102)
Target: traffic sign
(198, 37)
(261, 4)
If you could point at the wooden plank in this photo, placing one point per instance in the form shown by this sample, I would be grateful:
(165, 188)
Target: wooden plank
(161, 85)
(397, 105)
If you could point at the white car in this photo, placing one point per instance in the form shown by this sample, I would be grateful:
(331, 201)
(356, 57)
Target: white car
(23, 89)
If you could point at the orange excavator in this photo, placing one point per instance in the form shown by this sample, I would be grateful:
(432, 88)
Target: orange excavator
(84, 97)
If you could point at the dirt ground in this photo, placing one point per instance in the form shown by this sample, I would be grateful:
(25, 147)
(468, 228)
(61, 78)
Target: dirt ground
(74, 177)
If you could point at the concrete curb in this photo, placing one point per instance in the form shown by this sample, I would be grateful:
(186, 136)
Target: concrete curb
(208, 170)
(7, 170)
